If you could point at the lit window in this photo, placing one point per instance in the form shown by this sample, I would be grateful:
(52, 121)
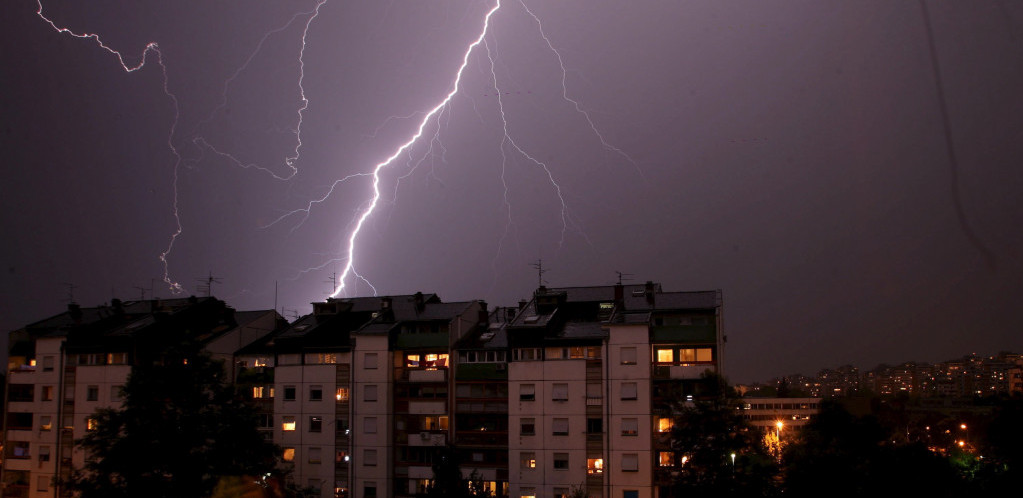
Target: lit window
(288, 423)
(528, 459)
(412, 361)
(594, 465)
(257, 392)
(288, 455)
(630, 427)
(666, 459)
(527, 493)
(45, 423)
(262, 362)
(117, 358)
(435, 423)
(628, 355)
(91, 424)
(687, 355)
(704, 354)
(342, 394)
(664, 424)
(434, 361)
(665, 356)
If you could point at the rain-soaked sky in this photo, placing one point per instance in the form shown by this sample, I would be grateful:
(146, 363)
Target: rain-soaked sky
(791, 153)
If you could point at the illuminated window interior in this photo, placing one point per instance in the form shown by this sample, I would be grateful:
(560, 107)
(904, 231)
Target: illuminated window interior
(342, 394)
(288, 424)
(91, 424)
(289, 455)
(594, 465)
(412, 361)
(528, 460)
(664, 424)
(435, 423)
(665, 356)
(665, 459)
(429, 361)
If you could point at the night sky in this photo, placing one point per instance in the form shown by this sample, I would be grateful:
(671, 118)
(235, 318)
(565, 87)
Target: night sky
(791, 153)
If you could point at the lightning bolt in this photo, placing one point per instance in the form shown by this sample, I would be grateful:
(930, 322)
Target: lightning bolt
(151, 47)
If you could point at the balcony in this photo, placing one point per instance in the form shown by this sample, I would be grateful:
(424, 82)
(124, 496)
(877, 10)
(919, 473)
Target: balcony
(427, 439)
(439, 375)
(685, 371)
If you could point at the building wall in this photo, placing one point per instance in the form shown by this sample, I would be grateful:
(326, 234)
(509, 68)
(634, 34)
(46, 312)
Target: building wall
(373, 365)
(620, 371)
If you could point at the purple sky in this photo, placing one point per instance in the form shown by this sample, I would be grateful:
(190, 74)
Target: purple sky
(791, 153)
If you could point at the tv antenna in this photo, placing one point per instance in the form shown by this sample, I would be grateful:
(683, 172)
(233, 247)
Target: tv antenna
(621, 276)
(208, 286)
(333, 282)
(539, 272)
(70, 291)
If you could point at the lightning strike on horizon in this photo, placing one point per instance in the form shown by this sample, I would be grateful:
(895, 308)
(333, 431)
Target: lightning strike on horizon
(155, 48)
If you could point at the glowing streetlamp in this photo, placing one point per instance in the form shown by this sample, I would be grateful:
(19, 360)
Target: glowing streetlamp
(777, 429)
(733, 462)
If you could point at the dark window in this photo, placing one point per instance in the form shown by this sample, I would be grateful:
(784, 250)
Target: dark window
(315, 424)
(289, 393)
(92, 393)
(21, 392)
(19, 421)
(594, 425)
(315, 393)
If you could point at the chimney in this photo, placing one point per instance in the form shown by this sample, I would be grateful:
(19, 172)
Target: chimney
(75, 311)
(385, 304)
(619, 293)
(484, 317)
(649, 291)
(420, 305)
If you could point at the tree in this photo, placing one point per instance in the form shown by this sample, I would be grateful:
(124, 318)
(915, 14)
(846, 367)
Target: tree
(706, 433)
(179, 431)
(448, 481)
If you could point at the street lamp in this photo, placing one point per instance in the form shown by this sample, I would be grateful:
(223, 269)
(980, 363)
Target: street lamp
(733, 462)
(777, 429)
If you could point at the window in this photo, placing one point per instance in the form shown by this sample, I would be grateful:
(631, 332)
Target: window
(560, 426)
(527, 459)
(594, 425)
(527, 493)
(288, 455)
(342, 394)
(527, 354)
(340, 456)
(315, 424)
(370, 362)
(628, 355)
(527, 392)
(42, 483)
(341, 426)
(91, 424)
(92, 393)
(20, 392)
(47, 363)
(263, 361)
(593, 390)
(560, 392)
(45, 423)
(527, 427)
(630, 462)
(634, 493)
(315, 455)
(629, 390)
(117, 358)
(666, 459)
(664, 424)
(47, 394)
(435, 423)
(258, 392)
(369, 392)
(560, 492)
(594, 466)
(115, 393)
(369, 490)
(630, 427)
(315, 393)
(290, 359)
(288, 423)
(369, 458)
(320, 358)
(19, 421)
(369, 425)
(561, 461)
(665, 355)
(44, 453)
(265, 421)
(289, 393)
(434, 361)
(704, 354)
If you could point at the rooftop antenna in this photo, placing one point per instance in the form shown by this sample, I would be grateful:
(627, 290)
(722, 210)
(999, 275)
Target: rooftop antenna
(333, 282)
(275, 295)
(539, 272)
(209, 281)
(621, 276)
(142, 292)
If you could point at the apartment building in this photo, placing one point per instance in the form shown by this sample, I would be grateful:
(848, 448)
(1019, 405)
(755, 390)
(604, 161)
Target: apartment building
(62, 369)
(574, 388)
